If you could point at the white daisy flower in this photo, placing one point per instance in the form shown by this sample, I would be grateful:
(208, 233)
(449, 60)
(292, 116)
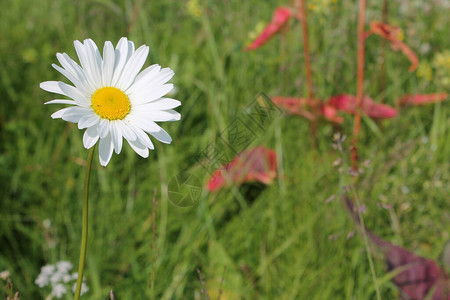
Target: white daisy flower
(112, 100)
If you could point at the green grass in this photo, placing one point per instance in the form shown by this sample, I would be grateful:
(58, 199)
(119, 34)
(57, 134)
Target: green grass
(287, 243)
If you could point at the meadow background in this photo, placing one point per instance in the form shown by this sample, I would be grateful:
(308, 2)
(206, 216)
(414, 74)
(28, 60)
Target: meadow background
(288, 242)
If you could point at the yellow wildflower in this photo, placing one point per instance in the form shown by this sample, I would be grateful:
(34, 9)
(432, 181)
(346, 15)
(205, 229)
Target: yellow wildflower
(252, 35)
(441, 63)
(424, 71)
(194, 8)
(257, 30)
(321, 6)
(442, 60)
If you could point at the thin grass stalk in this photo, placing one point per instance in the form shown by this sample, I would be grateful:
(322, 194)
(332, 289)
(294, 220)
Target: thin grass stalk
(221, 283)
(154, 246)
(136, 10)
(366, 244)
(307, 60)
(359, 85)
(84, 232)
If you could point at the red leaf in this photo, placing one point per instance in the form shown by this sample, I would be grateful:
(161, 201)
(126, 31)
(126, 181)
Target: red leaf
(280, 17)
(295, 106)
(410, 54)
(330, 109)
(257, 164)
(420, 275)
(393, 35)
(421, 99)
(331, 114)
(347, 103)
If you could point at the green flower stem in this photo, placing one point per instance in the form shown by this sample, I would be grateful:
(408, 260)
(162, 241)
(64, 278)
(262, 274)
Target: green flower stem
(366, 244)
(84, 232)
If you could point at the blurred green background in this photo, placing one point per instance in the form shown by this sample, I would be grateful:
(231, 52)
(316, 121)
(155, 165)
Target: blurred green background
(287, 242)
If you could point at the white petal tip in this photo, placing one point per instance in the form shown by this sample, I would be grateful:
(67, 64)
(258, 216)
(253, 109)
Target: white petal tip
(103, 163)
(42, 85)
(57, 115)
(169, 141)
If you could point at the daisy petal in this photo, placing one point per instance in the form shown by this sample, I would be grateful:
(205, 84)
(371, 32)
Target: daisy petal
(90, 137)
(84, 61)
(143, 137)
(60, 113)
(160, 116)
(132, 68)
(73, 79)
(71, 66)
(88, 120)
(61, 101)
(95, 60)
(130, 49)
(51, 86)
(116, 137)
(150, 77)
(169, 115)
(62, 88)
(145, 96)
(143, 123)
(127, 132)
(139, 148)
(162, 136)
(165, 75)
(103, 128)
(105, 150)
(75, 113)
(148, 73)
(121, 56)
(160, 104)
(74, 93)
(108, 63)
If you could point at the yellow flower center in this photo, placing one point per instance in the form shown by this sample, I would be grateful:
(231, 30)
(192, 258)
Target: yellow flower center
(110, 103)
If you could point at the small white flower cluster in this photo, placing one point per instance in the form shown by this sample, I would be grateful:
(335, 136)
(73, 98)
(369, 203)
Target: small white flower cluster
(59, 278)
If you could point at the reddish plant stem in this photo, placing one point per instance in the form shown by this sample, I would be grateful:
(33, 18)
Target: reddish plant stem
(306, 50)
(384, 19)
(311, 102)
(359, 85)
